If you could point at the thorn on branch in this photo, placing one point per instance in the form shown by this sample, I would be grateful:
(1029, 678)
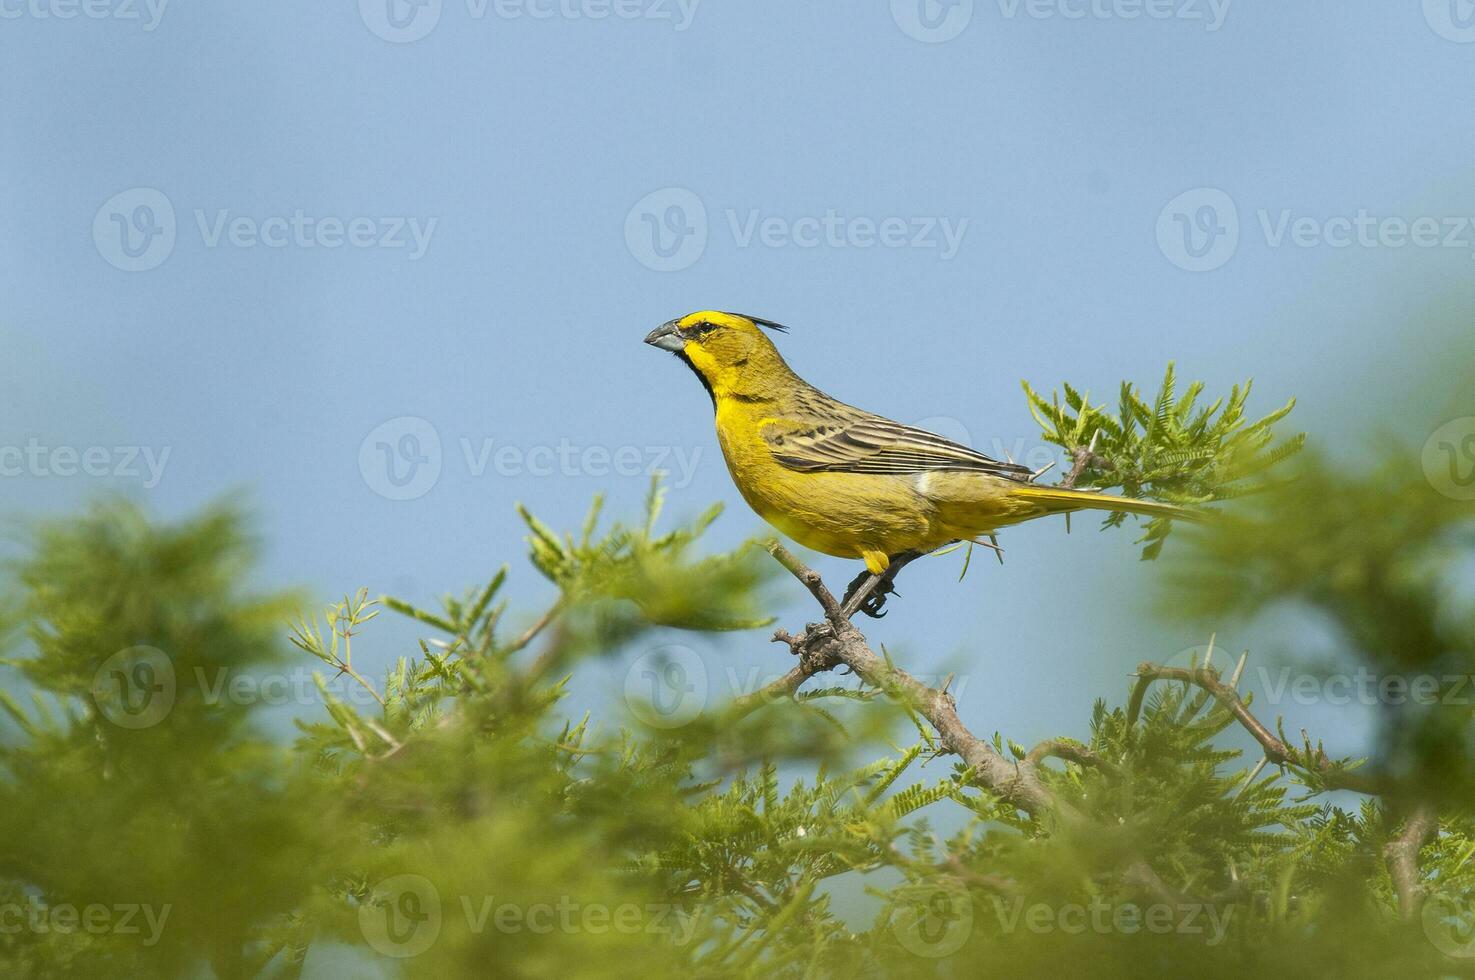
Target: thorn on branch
(1254, 774)
(1083, 457)
(795, 643)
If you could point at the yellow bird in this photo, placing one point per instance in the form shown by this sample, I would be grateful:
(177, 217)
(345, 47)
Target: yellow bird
(843, 481)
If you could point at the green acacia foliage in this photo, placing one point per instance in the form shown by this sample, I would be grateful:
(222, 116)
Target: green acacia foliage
(446, 817)
(1176, 447)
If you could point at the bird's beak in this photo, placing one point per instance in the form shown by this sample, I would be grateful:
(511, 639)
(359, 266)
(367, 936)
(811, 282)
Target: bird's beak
(666, 337)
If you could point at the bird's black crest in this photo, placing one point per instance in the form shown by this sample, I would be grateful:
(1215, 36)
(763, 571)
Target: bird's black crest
(761, 322)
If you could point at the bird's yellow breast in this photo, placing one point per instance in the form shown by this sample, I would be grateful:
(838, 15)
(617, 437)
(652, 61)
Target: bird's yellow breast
(848, 515)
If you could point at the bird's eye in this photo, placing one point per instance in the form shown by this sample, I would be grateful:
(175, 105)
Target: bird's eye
(702, 329)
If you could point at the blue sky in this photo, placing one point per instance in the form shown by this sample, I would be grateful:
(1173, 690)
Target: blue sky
(457, 230)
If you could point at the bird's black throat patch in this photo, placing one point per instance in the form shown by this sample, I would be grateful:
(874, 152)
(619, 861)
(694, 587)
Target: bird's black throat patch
(681, 354)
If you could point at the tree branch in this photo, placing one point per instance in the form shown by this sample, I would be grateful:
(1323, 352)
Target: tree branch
(532, 631)
(785, 687)
(811, 581)
(1081, 457)
(838, 641)
(1402, 855)
(1276, 750)
(1070, 751)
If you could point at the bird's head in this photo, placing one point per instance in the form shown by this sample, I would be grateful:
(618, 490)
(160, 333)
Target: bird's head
(724, 349)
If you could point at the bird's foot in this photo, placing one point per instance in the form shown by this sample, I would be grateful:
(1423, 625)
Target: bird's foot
(875, 600)
(855, 586)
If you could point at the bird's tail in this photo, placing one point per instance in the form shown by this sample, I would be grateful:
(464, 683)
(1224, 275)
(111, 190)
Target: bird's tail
(1058, 500)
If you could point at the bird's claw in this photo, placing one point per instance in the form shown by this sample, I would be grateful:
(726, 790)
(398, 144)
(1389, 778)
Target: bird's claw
(874, 604)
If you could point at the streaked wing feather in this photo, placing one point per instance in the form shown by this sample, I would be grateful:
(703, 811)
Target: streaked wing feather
(879, 446)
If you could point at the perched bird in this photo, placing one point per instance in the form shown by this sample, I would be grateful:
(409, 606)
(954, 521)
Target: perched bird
(843, 481)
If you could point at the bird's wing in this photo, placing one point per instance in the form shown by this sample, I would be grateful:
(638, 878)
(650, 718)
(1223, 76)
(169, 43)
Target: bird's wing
(871, 444)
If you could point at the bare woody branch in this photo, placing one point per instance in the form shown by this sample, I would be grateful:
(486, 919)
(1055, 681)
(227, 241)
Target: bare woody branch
(1070, 751)
(1402, 855)
(837, 641)
(1277, 751)
(811, 581)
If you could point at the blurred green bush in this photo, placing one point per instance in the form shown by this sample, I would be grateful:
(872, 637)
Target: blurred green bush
(447, 820)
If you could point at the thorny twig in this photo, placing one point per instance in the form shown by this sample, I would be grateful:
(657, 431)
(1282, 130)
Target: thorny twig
(1276, 750)
(1081, 458)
